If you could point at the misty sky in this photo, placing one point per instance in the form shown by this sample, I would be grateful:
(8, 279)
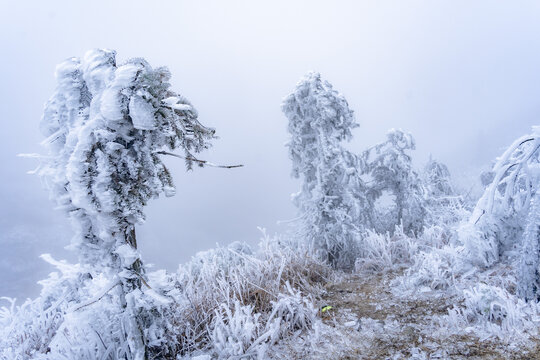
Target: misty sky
(462, 76)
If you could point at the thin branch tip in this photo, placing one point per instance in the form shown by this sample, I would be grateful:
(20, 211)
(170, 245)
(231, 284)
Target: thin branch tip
(201, 162)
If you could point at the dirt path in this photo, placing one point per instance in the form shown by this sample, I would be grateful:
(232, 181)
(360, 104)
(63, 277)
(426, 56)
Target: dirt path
(376, 324)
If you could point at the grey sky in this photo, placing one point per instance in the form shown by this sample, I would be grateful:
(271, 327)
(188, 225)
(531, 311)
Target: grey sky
(462, 76)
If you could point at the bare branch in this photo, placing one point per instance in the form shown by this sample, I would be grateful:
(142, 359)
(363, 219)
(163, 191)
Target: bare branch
(203, 162)
(96, 298)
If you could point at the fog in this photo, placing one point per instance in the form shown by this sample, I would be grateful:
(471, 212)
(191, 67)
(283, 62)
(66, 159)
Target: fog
(463, 77)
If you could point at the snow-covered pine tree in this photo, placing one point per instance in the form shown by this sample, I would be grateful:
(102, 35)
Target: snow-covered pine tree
(389, 167)
(507, 217)
(104, 125)
(331, 200)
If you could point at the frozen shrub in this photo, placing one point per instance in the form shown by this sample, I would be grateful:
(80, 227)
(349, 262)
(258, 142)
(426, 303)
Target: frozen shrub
(293, 311)
(432, 269)
(385, 252)
(28, 329)
(480, 248)
(493, 311)
(238, 332)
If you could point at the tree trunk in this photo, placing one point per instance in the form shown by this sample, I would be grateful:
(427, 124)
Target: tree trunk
(133, 322)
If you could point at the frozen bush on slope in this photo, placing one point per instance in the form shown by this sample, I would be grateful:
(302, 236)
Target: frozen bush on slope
(491, 311)
(293, 311)
(255, 277)
(435, 260)
(385, 252)
(433, 269)
(28, 328)
(239, 331)
(55, 326)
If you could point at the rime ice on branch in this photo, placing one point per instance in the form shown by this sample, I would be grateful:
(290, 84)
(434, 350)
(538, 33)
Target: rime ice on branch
(332, 192)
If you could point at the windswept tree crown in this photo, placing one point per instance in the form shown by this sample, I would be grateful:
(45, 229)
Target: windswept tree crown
(105, 124)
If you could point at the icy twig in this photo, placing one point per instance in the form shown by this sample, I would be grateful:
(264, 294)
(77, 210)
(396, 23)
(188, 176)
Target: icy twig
(202, 162)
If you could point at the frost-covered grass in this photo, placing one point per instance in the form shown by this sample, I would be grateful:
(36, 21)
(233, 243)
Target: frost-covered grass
(226, 302)
(407, 297)
(384, 252)
(267, 292)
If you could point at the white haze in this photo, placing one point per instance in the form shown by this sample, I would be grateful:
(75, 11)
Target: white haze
(462, 77)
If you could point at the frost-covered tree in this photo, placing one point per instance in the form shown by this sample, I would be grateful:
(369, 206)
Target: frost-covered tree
(437, 180)
(443, 205)
(507, 217)
(390, 172)
(331, 200)
(105, 125)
